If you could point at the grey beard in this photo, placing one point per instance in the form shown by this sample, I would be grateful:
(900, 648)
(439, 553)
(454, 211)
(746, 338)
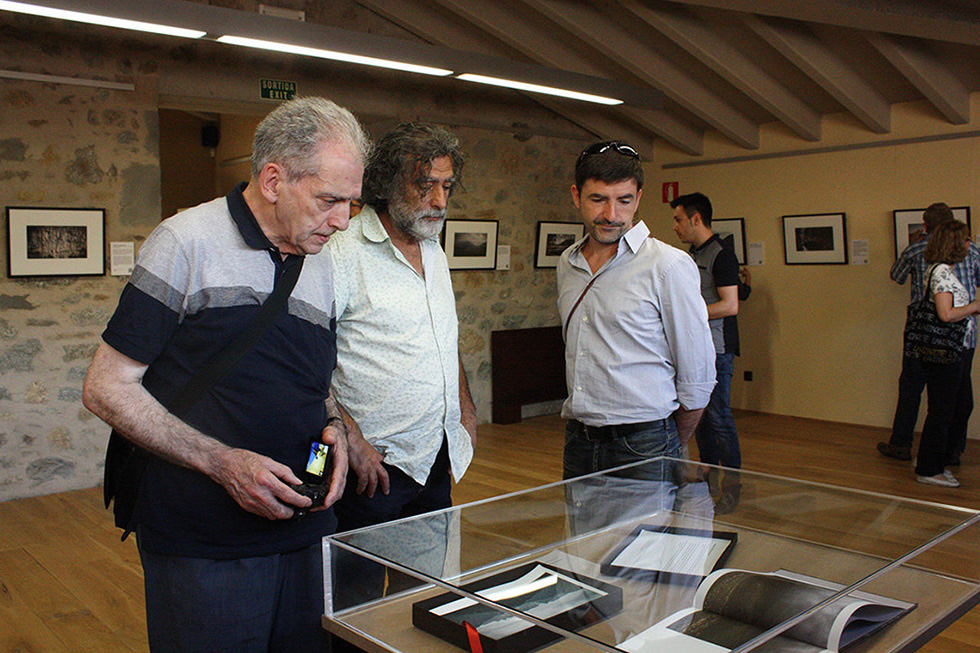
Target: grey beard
(413, 226)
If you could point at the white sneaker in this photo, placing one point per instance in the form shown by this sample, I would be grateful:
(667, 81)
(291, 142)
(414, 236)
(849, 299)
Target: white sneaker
(948, 473)
(942, 480)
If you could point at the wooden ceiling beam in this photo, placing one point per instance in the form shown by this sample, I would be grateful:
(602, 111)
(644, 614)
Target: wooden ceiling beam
(700, 39)
(825, 67)
(499, 22)
(595, 28)
(924, 71)
(432, 22)
(925, 19)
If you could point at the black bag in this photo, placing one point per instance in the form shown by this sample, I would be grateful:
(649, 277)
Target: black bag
(125, 462)
(124, 467)
(927, 337)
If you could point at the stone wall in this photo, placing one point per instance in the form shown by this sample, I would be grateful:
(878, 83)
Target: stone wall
(65, 146)
(518, 183)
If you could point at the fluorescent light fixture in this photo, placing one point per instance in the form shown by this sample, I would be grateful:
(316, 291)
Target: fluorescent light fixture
(537, 88)
(94, 19)
(75, 81)
(336, 56)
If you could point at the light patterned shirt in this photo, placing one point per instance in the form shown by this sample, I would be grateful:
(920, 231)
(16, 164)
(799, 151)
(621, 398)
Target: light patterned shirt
(942, 279)
(638, 346)
(912, 262)
(397, 348)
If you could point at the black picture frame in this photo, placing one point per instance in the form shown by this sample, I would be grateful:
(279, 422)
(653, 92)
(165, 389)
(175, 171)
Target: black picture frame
(553, 239)
(55, 241)
(733, 228)
(470, 244)
(815, 239)
(909, 224)
(612, 564)
(531, 636)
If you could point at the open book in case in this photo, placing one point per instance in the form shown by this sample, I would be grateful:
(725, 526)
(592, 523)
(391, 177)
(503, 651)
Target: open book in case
(607, 563)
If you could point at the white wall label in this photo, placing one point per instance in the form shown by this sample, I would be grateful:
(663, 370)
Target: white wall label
(121, 258)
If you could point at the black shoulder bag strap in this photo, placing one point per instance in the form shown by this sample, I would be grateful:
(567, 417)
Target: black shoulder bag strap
(126, 462)
(568, 320)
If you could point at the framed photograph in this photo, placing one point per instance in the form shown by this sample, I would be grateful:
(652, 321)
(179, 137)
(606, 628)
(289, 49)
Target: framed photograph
(471, 244)
(55, 242)
(815, 239)
(669, 554)
(565, 599)
(553, 239)
(910, 228)
(732, 232)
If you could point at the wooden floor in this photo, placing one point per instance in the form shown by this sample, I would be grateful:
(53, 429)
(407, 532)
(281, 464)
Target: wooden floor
(68, 584)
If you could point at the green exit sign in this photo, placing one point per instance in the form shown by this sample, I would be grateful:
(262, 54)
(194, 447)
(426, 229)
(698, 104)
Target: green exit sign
(276, 89)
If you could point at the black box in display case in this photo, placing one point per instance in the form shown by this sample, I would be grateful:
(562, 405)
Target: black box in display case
(565, 599)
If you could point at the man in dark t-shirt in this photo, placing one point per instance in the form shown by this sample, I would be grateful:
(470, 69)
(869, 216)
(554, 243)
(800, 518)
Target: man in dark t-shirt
(716, 435)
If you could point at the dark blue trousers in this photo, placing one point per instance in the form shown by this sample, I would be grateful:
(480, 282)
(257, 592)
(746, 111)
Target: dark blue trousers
(910, 385)
(946, 407)
(249, 605)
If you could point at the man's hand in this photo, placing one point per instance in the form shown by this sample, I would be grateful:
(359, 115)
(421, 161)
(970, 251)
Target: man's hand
(686, 421)
(744, 275)
(366, 461)
(467, 409)
(258, 483)
(114, 391)
(469, 423)
(335, 435)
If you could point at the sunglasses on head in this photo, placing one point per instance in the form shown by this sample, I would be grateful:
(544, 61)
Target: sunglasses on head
(599, 148)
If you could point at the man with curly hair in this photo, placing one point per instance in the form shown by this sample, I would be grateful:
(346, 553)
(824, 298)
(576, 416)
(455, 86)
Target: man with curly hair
(399, 380)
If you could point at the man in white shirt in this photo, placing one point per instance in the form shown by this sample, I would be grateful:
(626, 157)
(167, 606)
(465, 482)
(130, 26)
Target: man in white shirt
(639, 359)
(411, 421)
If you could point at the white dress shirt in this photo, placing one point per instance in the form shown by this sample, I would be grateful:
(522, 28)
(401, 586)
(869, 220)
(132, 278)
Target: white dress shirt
(638, 346)
(397, 358)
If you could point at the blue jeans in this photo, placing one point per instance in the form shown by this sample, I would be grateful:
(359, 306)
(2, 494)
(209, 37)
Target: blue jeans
(716, 435)
(584, 455)
(910, 385)
(596, 502)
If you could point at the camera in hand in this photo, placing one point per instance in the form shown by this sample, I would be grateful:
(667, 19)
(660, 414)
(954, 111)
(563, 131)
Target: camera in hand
(315, 482)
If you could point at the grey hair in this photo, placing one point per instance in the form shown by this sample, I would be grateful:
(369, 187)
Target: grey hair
(292, 132)
(405, 155)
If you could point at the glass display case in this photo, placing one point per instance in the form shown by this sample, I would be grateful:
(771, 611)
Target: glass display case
(664, 555)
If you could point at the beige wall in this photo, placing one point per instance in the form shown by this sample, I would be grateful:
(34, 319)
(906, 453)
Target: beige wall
(824, 341)
(236, 142)
(187, 169)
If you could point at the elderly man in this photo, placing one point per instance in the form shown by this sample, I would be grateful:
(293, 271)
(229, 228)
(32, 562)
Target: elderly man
(410, 419)
(225, 567)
